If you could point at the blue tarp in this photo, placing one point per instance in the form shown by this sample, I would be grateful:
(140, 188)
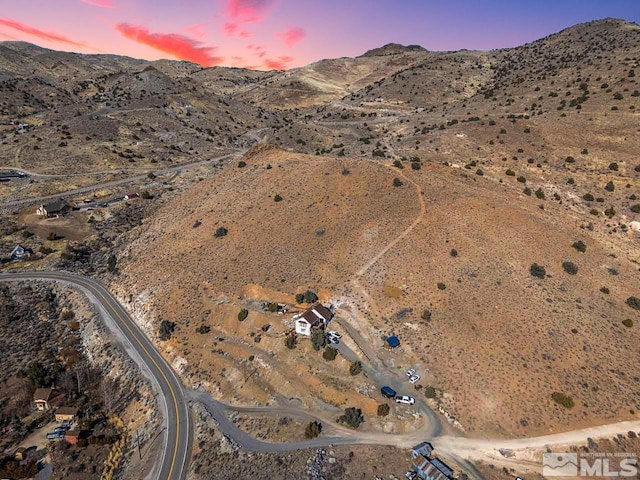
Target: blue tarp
(393, 342)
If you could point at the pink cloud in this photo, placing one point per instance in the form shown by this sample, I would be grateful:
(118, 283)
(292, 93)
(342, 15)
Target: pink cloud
(248, 10)
(281, 63)
(292, 36)
(176, 45)
(233, 29)
(197, 30)
(100, 3)
(29, 30)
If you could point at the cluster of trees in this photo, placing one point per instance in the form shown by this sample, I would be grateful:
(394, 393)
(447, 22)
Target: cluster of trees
(352, 417)
(307, 297)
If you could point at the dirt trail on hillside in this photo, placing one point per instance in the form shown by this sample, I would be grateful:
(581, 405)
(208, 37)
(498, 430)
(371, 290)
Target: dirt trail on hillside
(407, 231)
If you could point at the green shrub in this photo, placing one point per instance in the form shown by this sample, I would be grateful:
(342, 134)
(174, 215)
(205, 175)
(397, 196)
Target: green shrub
(453, 252)
(609, 187)
(570, 159)
(166, 330)
(243, 314)
(633, 302)
(330, 354)
(429, 392)
(355, 368)
(352, 417)
(426, 316)
(562, 399)
(570, 267)
(277, 198)
(510, 173)
(312, 430)
(272, 307)
(398, 164)
(299, 297)
(383, 410)
(441, 286)
(540, 194)
(112, 263)
(221, 232)
(587, 197)
(635, 208)
(580, 246)
(610, 212)
(415, 165)
(318, 339)
(310, 296)
(537, 271)
(291, 341)
(522, 179)
(604, 290)
(242, 164)
(397, 182)
(613, 166)
(202, 329)
(627, 322)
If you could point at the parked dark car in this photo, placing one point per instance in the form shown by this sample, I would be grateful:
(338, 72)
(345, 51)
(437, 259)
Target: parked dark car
(388, 392)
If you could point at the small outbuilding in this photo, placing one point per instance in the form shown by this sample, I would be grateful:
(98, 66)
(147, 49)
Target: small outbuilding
(20, 252)
(72, 436)
(392, 342)
(66, 414)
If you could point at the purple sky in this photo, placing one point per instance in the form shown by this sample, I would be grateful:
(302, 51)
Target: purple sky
(269, 34)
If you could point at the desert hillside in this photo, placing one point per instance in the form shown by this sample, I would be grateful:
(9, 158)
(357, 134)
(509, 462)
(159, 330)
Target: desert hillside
(492, 323)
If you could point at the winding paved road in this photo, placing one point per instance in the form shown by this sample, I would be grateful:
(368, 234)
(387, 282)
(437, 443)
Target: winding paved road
(177, 439)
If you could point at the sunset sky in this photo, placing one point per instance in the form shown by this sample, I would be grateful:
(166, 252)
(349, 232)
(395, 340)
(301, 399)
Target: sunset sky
(268, 34)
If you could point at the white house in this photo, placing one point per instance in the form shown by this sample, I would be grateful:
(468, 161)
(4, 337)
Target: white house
(318, 316)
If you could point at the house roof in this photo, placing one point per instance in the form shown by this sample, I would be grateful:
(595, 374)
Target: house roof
(442, 467)
(421, 445)
(66, 411)
(72, 433)
(42, 394)
(323, 311)
(55, 206)
(393, 341)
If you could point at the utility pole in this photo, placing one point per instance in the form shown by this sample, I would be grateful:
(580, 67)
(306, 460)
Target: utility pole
(138, 439)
